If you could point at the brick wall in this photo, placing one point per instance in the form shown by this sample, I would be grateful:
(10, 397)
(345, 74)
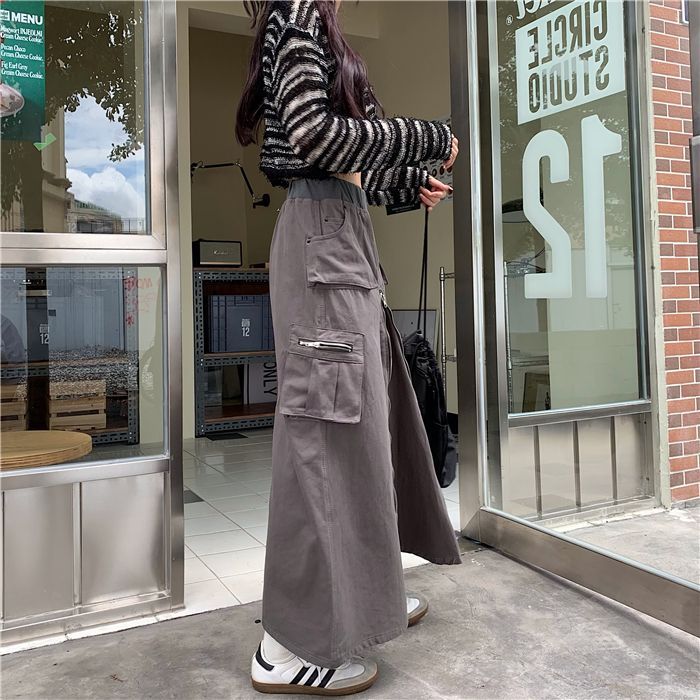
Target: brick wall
(670, 66)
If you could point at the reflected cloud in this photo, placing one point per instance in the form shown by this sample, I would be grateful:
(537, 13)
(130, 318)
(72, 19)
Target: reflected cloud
(116, 186)
(108, 188)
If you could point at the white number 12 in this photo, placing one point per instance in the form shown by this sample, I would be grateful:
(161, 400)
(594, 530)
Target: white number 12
(597, 142)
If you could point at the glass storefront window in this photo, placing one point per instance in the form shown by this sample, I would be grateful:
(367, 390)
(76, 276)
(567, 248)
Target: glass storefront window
(82, 350)
(72, 107)
(567, 208)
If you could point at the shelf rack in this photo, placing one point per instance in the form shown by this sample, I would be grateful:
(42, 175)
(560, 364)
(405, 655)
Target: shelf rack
(123, 431)
(210, 419)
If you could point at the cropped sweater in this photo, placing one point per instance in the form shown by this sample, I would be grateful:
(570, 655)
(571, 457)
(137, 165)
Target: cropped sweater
(303, 137)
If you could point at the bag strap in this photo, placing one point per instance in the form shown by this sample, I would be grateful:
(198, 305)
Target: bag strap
(423, 294)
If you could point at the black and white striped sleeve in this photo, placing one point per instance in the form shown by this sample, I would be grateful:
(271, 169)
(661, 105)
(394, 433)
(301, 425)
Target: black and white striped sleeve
(332, 142)
(394, 185)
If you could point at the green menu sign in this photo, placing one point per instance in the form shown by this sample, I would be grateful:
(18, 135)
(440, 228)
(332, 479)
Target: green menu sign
(22, 69)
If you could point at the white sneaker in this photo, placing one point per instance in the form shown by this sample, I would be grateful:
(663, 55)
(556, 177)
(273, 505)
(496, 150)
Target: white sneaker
(299, 676)
(416, 607)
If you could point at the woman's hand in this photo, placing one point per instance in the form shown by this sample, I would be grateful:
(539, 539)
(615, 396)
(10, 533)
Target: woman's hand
(453, 153)
(438, 191)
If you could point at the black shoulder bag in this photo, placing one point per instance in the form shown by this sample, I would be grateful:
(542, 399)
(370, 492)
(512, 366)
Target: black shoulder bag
(428, 384)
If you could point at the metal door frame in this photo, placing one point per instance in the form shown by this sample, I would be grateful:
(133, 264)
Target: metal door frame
(154, 249)
(661, 595)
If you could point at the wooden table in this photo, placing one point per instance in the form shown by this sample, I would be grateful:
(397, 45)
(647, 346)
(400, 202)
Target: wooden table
(39, 448)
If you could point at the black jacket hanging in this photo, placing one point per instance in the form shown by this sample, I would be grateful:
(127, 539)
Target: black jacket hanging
(428, 384)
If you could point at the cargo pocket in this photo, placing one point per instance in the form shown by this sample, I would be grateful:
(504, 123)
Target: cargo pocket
(323, 375)
(336, 255)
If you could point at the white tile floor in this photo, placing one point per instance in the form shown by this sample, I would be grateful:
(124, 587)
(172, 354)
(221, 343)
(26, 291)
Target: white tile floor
(225, 533)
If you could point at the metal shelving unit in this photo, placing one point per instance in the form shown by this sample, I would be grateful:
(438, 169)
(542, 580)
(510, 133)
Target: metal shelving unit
(91, 368)
(243, 415)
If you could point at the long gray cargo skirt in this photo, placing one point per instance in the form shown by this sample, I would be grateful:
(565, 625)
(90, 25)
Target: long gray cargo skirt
(353, 482)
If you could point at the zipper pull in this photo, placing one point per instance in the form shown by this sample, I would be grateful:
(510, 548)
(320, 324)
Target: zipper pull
(383, 298)
(325, 345)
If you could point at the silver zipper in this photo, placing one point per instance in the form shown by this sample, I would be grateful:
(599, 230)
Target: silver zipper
(325, 345)
(383, 298)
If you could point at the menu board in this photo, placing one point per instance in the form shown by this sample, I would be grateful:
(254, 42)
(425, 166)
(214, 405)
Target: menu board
(22, 69)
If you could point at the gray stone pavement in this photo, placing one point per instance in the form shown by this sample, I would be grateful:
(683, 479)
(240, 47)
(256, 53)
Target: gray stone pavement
(496, 629)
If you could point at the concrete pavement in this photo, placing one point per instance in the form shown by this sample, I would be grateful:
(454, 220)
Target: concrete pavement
(496, 629)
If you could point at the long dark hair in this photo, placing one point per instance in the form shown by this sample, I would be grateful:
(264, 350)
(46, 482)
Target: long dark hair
(350, 91)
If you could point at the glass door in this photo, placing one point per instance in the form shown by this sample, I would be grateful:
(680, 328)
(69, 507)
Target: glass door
(90, 315)
(570, 471)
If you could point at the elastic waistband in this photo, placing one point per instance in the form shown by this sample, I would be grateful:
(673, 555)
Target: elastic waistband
(327, 188)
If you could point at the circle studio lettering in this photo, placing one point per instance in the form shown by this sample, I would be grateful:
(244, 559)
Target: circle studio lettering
(569, 57)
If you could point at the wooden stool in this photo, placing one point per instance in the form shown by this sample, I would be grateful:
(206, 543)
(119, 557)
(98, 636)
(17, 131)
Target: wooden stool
(39, 448)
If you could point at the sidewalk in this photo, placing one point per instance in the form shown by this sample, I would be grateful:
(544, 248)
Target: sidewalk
(496, 629)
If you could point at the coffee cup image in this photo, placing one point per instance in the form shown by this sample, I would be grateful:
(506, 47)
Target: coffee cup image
(11, 100)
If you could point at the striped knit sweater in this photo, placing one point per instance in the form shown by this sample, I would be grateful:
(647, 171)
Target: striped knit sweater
(304, 138)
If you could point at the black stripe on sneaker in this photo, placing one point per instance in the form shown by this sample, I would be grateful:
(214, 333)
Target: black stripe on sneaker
(261, 661)
(326, 678)
(300, 675)
(310, 680)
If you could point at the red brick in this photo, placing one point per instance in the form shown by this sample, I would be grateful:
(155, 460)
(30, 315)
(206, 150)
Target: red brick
(682, 434)
(685, 249)
(659, 54)
(681, 193)
(687, 305)
(687, 277)
(677, 320)
(680, 292)
(685, 222)
(669, 306)
(685, 71)
(689, 333)
(679, 111)
(678, 139)
(685, 462)
(677, 29)
(682, 405)
(671, 97)
(668, 124)
(680, 166)
(661, 111)
(666, 178)
(691, 418)
(664, 151)
(674, 264)
(675, 449)
(675, 420)
(668, 206)
(688, 361)
(688, 390)
(668, 278)
(683, 44)
(676, 479)
(681, 57)
(664, 68)
(664, 40)
(692, 476)
(671, 235)
(692, 447)
(680, 84)
(657, 25)
(658, 81)
(685, 493)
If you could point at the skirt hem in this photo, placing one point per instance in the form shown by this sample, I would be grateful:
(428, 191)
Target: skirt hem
(327, 662)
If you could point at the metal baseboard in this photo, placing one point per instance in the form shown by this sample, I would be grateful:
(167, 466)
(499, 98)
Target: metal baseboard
(660, 595)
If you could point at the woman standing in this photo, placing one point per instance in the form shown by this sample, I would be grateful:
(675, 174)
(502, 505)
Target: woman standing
(353, 482)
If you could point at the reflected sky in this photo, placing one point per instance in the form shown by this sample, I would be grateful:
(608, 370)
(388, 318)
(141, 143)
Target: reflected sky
(117, 186)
